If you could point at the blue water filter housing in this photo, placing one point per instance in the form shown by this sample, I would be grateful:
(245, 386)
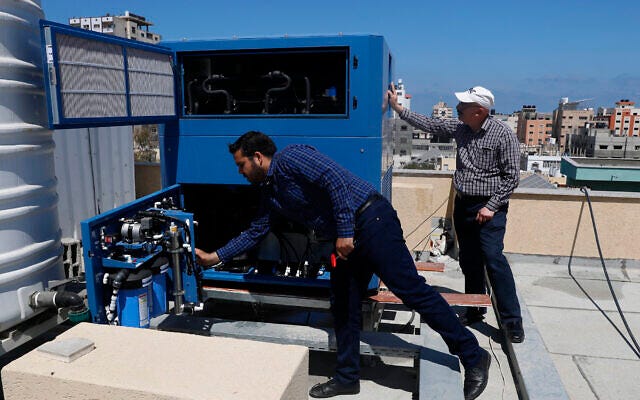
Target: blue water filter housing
(158, 287)
(134, 300)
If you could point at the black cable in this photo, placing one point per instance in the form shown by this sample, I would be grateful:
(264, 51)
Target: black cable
(426, 219)
(425, 238)
(634, 347)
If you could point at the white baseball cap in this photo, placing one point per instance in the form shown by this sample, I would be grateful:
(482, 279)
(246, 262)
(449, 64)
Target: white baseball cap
(477, 94)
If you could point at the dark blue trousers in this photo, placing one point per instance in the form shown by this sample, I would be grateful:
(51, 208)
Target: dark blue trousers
(380, 249)
(481, 246)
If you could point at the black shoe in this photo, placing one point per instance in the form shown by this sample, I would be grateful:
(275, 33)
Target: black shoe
(475, 378)
(514, 332)
(333, 388)
(470, 318)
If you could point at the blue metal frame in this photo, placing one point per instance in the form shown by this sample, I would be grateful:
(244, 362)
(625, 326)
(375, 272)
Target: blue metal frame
(194, 148)
(94, 256)
(55, 28)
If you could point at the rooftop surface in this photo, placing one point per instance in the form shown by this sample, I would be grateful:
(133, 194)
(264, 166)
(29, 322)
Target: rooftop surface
(592, 359)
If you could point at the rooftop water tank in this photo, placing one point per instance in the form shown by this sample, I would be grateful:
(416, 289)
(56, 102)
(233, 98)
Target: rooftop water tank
(30, 250)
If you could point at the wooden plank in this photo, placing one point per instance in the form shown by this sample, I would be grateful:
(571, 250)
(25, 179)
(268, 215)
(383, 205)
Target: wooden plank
(454, 299)
(430, 266)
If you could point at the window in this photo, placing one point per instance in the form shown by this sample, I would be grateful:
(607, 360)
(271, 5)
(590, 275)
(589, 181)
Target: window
(403, 127)
(603, 147)
(133, 29)
(582, 118)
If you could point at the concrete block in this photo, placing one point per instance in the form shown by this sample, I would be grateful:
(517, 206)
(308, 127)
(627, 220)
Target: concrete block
(142, 364)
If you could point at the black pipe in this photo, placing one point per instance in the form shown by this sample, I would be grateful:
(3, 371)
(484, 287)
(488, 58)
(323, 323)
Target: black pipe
(275, 74)
(307, 88)
(217, 91)
(57, 299)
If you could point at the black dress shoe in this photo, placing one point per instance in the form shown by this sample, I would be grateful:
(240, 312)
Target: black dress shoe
(333, 388)
(514, 332)
(476, 378)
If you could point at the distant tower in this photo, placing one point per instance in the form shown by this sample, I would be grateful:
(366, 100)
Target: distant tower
(404, 99)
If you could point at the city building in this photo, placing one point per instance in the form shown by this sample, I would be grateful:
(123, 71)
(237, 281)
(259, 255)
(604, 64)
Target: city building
(599, 141)
(404, 99)
(534, 130)
(442, 110)
(545, 165)
(128, 25)
(510, 119)
(625, 118)
(567, 119)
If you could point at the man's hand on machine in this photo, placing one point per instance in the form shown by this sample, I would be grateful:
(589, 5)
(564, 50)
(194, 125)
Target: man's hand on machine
(207, 259)
(344, 247)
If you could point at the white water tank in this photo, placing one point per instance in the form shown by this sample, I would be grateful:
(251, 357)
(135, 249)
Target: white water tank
(30, 250)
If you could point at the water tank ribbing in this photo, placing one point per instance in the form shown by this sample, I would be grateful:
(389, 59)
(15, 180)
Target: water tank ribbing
(30, 250)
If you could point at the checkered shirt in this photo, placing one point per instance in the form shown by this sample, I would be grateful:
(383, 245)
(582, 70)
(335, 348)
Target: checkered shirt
(487, 163)
(307, 187)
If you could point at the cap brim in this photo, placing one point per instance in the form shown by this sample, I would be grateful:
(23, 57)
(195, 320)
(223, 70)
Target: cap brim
(464, 97)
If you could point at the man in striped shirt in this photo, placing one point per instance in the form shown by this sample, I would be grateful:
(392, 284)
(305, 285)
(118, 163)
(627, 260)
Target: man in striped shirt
(305, 186)
(487, 172)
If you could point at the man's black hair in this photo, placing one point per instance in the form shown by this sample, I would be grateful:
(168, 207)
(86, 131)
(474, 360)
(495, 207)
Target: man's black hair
(253, 141)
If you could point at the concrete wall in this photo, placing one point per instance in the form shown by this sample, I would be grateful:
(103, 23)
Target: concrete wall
(540, 221)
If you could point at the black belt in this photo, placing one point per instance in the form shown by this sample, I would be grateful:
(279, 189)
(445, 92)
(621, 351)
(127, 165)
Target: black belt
(370, 200)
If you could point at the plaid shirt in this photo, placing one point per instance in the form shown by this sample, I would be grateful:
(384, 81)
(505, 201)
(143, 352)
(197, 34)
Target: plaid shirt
(487, 163)
(307, 187)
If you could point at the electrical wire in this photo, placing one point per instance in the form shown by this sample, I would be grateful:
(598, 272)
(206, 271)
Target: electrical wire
(634, 347)
(425, 238)
(426, 219)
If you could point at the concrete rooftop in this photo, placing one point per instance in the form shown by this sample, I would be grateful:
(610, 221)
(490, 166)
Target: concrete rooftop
(591, 358)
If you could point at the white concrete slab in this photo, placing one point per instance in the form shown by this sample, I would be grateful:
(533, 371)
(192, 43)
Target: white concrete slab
(575, 384)
(143, 364)
(564, 292)
(583, 332)
(609, 382)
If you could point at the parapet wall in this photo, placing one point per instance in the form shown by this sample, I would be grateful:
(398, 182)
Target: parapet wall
(540, 221)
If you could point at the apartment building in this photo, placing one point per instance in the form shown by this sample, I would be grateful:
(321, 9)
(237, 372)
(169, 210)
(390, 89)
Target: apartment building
(534, 129)
(567, 119)
(442, 110)
(128, 25)
(625, 119)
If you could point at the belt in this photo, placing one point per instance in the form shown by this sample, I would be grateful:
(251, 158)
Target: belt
(370, 200)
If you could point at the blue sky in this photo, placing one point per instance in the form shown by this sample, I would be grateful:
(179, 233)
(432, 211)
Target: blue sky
(526, 52)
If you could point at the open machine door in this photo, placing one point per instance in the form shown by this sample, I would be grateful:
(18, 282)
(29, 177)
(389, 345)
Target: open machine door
(93, 79)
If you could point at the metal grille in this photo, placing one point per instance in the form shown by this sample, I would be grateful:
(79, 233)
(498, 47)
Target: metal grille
(92, 79)
(150, 83)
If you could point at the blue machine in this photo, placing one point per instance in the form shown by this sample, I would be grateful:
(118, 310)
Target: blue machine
(329, 92)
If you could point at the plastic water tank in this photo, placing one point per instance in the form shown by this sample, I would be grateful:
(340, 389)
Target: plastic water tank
(30, 250)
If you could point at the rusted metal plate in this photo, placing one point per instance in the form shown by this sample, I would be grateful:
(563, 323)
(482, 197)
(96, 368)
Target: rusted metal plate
(454, 299)
(430, 266)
